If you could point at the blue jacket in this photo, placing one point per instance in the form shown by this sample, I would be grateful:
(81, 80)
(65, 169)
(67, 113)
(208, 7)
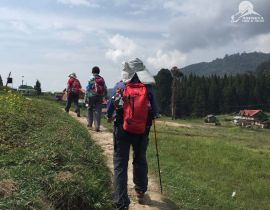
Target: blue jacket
(89, 87)
(121, 85)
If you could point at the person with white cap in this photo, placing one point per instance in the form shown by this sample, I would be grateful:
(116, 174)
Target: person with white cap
(134, 105)
(73, 92)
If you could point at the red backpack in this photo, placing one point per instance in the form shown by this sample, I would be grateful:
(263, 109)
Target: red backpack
(75, 86)
(136, 108)
(99, 86)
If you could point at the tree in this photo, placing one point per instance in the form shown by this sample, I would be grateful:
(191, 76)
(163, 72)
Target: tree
(37, 87)
(263, 69)
(176, 76)
(163, 90)
(199, 104)
(1, 81)
(213, 96)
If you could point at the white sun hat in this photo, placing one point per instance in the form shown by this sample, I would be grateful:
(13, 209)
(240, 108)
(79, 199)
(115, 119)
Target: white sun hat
(136, 66)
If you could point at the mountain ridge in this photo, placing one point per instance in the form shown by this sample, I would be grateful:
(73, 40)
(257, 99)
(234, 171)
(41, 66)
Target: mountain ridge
(238, 63)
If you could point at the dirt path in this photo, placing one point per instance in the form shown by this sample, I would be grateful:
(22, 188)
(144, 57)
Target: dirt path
(154, 200)
(174, 124)
(184, 125)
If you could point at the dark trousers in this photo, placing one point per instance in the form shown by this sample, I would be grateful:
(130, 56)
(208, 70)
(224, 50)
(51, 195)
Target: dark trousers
(73, 97)
(122, 143)
(94, 111)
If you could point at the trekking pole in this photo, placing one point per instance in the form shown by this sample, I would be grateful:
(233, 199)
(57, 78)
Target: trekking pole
(157, 154)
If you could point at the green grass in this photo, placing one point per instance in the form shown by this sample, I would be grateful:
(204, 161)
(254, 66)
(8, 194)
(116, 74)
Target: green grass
(203, 165)
(40, 145)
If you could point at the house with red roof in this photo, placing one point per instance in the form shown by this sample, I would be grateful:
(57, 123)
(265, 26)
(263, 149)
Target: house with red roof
(251, 118)
(251, 113)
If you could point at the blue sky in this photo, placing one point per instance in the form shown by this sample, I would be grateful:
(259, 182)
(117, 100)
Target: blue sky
(48, 39)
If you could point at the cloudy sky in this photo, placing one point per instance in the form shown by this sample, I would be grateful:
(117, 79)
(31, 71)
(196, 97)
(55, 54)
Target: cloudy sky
(48, 39)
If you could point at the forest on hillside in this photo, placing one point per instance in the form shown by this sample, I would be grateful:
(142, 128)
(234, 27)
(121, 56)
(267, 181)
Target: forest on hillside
(202, 95)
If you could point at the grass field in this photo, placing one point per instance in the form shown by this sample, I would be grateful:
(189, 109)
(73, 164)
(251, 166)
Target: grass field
(203, 165)
(47, 160)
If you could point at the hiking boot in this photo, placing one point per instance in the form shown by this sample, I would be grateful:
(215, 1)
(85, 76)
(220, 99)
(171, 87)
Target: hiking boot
(140, 197)
(97, 130)
(78, 114)
(66, 110)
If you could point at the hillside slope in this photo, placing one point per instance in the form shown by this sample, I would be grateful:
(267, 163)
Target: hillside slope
(230, 64)
(47, 160)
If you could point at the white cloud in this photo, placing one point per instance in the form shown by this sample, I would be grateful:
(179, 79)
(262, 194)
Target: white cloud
(120, 2)
(123, 48)
(72, 3)
(167, 59)
(19, 26)
(262, 43)
(172, 6)
(195, 8)
(71, 36)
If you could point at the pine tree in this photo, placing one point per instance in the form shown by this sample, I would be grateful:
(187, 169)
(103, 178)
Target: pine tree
(199, 104)
(176, 76)
(163, 90)
(37, 87)
(213, 97)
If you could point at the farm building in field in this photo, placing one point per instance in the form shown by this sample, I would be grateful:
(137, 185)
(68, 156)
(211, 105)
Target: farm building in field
(251, 118)
(27, 90)
(211, 119)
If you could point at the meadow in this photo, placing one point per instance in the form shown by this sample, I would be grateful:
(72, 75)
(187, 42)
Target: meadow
(213, 167)
(48, 160)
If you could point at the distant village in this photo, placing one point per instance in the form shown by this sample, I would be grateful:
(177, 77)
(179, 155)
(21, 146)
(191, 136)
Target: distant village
(248, 118)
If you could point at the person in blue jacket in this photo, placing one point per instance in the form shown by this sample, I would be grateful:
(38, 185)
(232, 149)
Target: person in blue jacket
(134, 71)
(96, 90)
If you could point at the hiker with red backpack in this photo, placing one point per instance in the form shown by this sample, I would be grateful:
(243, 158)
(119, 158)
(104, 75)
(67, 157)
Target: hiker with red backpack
(134, 106)
(73, 93)
(96, 90)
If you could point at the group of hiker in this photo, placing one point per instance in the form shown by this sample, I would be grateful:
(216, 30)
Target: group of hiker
(96, 90)
(131, 108)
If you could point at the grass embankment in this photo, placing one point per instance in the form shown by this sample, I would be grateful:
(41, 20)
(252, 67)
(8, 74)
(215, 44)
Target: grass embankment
(203, 165)
(47, 160)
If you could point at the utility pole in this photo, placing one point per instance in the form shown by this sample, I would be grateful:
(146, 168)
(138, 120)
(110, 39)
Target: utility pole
(22, 80)
(8, 79)
(176, 75)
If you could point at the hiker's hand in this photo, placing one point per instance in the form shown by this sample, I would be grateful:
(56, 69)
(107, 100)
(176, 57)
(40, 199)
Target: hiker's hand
(110, 119)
